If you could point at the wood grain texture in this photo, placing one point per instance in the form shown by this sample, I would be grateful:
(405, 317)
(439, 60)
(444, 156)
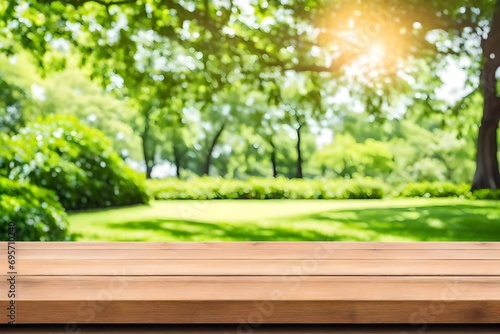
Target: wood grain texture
(265, 329)
(254, 288)
(284, 253)
(255, 283)
(235, 312)
(303, 245)
(388, 267)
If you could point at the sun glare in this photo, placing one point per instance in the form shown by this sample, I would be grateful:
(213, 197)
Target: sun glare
(377, 53)
(371, 64)
(369, 42)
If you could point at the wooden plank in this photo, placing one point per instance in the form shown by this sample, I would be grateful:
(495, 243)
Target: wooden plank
(240, 329)
(253, 245)
(241, 312)
(30, 267)
(258, 254)
(238, 283)
(255, 288)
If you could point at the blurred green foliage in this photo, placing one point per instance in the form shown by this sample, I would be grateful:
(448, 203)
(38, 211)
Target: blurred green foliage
(36, 212)
(261, 188)
(435, 190)
(207, 69)
(11, 97)
(282, 188)
(257, 139)
(487, 194)
(345, 158)
(75, 161)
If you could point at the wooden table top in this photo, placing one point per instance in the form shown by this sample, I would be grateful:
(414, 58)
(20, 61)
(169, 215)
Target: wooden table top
(253, 283)
(264, 329)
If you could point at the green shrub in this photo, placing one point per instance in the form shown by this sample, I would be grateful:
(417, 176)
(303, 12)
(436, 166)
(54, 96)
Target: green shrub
(36, 212)
(261, 188)
(487, 194)
(435, 190)
(75, 161)
(281, 188)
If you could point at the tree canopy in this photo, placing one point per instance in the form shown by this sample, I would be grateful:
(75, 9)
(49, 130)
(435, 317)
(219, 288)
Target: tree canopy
(176, 56)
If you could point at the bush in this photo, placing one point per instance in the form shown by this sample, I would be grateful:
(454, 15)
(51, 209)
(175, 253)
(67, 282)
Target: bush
(260, 188)
(487, 194)
(281, 188)
(439, 189)
(435, 190)
(36, 212)
(76, 162)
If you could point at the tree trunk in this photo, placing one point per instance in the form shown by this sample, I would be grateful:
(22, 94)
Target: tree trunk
(299, 174)
(148, 160)
(208, 158)
(177, 153)
(487, 174)
(177, 161)
(274, 161)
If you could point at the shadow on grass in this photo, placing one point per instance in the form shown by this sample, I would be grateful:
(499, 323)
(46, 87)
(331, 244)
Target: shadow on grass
(189, 230)
(427, 223)
(459, 222)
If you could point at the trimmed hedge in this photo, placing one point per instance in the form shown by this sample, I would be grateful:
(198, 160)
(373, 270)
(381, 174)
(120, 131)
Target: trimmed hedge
(258, 188)
(281, 188)
(487, 194)
(75, 161)
(435, 190)
(36, 212)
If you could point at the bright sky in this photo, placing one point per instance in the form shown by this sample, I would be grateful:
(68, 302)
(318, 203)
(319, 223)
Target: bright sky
(452, 90)
(454, 78)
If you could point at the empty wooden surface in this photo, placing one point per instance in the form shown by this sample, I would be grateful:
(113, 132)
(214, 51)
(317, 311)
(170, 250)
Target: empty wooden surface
(265, 329)
(357, 267)
(255, 283)
(255, 245)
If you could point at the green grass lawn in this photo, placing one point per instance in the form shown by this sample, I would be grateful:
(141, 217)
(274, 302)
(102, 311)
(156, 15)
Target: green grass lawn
(289, 220)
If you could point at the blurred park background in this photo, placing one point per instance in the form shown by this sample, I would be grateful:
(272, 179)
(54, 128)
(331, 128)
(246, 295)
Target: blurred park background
(185, 120)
